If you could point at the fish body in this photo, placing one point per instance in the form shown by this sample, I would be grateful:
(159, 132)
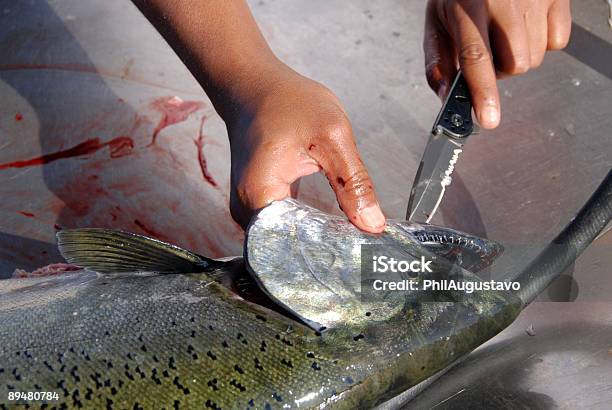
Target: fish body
(183, 340)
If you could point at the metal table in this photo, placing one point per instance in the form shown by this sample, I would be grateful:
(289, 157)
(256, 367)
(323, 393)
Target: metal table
(102, 125)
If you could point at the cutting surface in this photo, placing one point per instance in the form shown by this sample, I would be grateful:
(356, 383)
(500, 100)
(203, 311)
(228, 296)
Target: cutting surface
(87, 87)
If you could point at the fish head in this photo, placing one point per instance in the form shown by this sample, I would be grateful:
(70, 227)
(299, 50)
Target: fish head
(316, 265)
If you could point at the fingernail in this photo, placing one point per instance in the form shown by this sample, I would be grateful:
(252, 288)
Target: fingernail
(490, 116)
(372, 216)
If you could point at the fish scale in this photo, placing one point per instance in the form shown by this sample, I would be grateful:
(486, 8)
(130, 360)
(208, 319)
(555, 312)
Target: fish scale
(139, 352)
(133, 337)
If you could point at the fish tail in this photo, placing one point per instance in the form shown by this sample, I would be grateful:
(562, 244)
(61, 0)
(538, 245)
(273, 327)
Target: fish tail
(109, 251)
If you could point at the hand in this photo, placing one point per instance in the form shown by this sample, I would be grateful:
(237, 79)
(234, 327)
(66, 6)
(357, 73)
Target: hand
(489, 39)
(292, 128)
(282, 126)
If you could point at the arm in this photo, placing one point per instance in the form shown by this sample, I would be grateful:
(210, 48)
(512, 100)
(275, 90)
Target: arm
(220, 43)
(281, 125)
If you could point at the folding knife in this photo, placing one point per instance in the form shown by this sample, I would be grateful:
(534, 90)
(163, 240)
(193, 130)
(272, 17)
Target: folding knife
(450, 131)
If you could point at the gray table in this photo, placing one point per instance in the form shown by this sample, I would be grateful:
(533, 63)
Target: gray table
(95, 78)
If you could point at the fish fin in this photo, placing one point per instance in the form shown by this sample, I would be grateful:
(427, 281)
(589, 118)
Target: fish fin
(109, 251)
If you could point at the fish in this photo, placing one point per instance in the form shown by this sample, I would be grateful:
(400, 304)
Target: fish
(147, 324)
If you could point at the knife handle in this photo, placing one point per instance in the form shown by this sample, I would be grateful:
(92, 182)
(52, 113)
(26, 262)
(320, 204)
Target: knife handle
(455, 117)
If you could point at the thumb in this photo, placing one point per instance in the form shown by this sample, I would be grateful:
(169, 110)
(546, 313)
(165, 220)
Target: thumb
(350, 181)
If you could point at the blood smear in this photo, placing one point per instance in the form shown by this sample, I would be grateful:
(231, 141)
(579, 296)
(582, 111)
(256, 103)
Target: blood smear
(199, 143)
(119, 147)
(173, 110)
(49, 270)
(148, 230)
(28, 214)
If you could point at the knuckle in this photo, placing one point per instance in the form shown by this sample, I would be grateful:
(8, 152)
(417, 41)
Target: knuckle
(520, 65)
(537, 59)
(432, 82)
(473, 54)
(356, 185)
(337, 128)
(514, 63)
(558, 42)
(433, 74)
(328, 93)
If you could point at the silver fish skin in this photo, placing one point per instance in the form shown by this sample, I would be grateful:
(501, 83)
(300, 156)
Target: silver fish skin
(312, 263)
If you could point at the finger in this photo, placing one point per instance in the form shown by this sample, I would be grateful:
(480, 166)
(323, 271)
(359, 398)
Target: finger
(268, 175)
(349, 178)
(509, 36)
(440, 56)
(467, 23)
(537, 28)
(559, 24)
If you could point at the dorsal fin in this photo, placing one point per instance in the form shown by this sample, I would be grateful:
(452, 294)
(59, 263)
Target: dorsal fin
(108, 251)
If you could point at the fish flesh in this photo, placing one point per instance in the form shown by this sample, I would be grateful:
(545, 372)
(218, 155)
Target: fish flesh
(150, 325)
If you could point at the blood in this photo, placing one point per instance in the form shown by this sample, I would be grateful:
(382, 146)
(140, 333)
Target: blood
(18, 117)
(119, 147)
(147, 230)
(173, 110)
(84, 148)
(49, 270)
(199, 142)
(79, 208)
(28, 214)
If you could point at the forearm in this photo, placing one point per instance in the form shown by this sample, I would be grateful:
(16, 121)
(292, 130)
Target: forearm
(221, 45)
(281, 125)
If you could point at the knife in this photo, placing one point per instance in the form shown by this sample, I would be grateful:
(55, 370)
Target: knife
(449, 133)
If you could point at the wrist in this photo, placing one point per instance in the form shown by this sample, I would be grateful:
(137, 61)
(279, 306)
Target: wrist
(248, 85)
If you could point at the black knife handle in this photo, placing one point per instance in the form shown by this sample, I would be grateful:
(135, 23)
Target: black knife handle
(455, 117)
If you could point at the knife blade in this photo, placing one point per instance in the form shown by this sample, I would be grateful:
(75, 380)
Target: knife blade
(449, 133)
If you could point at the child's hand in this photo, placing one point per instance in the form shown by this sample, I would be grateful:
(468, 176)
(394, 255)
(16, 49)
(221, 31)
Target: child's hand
(294, 127)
